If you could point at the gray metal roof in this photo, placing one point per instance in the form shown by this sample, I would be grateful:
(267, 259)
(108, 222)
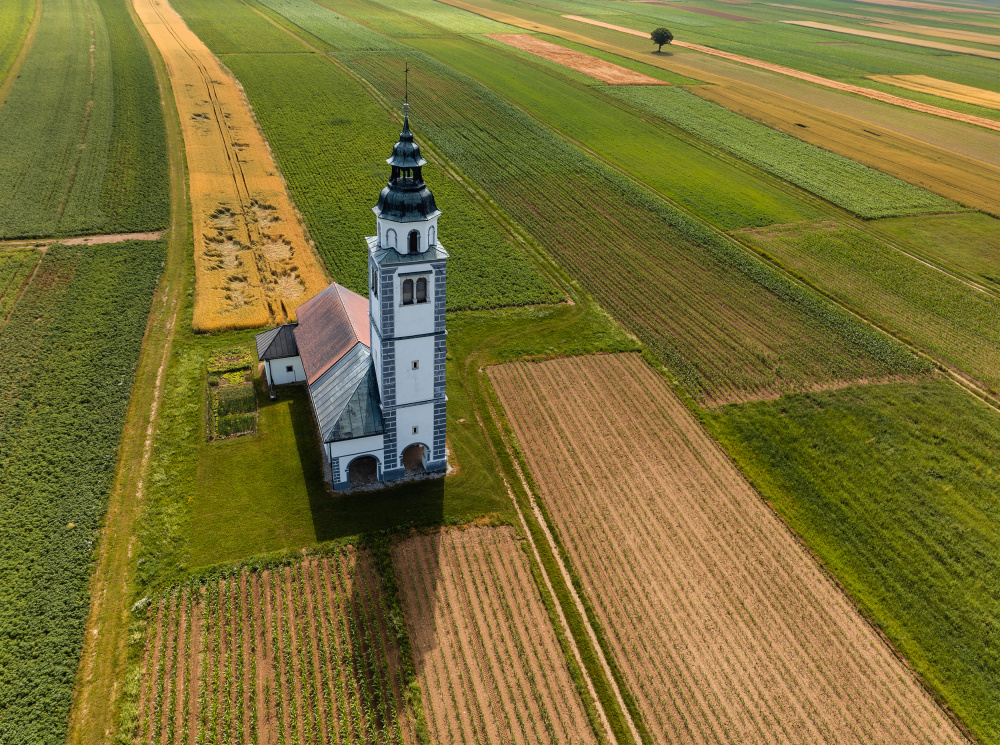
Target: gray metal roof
(388, 256)
(333, 392)
(277, 343)
(362, 417)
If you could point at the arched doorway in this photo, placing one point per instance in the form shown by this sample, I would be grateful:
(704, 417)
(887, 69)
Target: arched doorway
(413, 459)
(363, 471)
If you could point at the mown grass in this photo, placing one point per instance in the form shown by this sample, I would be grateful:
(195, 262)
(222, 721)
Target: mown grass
(895, 489)
(15, 18)
(222, 502)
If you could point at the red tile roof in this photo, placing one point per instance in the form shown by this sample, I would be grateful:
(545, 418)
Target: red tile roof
(330, 323)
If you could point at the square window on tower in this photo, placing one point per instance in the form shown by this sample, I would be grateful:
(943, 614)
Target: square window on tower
(416, 364)
(415, 430)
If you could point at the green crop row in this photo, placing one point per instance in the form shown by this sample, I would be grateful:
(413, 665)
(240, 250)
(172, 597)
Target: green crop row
(940, 313)
(16, 267)
(864, 191)
(84, 143)
(718, 317)
(335, 166)
(67, 357)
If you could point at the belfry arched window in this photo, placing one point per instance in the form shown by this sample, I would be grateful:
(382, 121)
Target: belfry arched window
(432, 236)
(408, 292)
(414, 241)
(390, 238)
(422, 290)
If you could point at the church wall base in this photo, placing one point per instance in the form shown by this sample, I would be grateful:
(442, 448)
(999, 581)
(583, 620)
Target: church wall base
(436, 465)
(391, 474)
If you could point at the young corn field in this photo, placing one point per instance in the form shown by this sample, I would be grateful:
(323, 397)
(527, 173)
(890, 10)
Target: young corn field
(295, 654)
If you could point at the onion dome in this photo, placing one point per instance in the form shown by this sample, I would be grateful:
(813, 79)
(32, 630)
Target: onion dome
(406, 197)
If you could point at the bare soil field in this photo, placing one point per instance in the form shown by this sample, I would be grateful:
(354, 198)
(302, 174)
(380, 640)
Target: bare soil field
(489, 663)
(724, 626)
(253, 263)
(303, 653)
(898, 39)
(943, 88)
(598, 69)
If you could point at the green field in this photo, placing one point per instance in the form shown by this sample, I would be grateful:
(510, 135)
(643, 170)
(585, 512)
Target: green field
(82, 129)
(954, 322)
(67, 356)
(968, 242)
(15, 18)
(895, 489)
(16, 267)
(863, 191)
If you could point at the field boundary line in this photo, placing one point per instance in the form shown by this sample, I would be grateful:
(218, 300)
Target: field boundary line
(568, 580)
(810, 78)
(99, 678)
(15, 68)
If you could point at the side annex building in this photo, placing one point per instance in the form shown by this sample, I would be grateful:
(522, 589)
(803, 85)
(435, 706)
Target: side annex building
(375, 368)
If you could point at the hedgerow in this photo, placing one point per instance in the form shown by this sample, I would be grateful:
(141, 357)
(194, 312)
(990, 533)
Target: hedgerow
(67, 357)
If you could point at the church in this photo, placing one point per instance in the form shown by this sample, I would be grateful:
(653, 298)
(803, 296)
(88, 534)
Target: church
(375, 368)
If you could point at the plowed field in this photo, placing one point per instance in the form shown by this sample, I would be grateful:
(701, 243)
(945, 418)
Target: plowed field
(303, 653)
(596, 68)
(488, 661)
(253, 265)
(726, 630)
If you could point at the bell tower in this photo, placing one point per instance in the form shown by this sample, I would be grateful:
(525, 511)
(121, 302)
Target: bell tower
(406, 300)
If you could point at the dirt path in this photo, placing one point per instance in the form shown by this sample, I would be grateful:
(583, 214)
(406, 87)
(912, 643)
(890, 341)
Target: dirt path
(253, 262)
(83, 240)
(488, 660)
(816, 79)
(102, 664)
(725, 628)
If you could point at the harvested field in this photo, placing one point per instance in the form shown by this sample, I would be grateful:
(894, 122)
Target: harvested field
(943, 88)
(725, 628)
(827, 82)
(301, 653)
(238, 198)
(488, 660)
(944, 33)
(594, 67)
(898, 39)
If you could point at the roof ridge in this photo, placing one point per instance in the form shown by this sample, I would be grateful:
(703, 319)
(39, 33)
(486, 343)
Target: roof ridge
(350, 318)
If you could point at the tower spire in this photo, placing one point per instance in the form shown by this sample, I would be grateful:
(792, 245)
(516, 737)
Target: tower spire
(406, 91)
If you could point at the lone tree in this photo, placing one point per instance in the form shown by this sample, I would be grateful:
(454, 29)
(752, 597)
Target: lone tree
(661, 36)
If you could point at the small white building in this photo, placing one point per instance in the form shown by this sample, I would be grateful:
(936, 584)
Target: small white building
(375, 368)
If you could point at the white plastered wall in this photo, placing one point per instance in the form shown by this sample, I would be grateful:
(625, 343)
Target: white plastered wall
(416, 318)
(400, 231)
(421, 417)
(414, 385)
(278, 374)
(348, 450)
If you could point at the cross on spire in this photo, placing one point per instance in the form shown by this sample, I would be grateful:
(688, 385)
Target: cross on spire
(406, 89)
